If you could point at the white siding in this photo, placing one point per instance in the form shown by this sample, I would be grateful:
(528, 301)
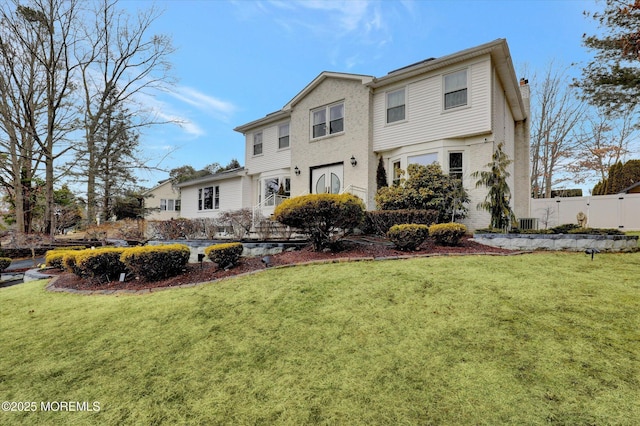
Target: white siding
(426, 119)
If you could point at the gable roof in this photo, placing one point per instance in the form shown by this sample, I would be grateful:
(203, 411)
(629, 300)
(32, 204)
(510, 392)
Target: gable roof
(227, 174)
(364, 79)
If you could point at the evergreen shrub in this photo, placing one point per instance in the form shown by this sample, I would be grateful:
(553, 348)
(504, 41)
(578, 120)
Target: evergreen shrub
(156, 262)
(224, 255)
(325, 218)
(447, 234)
(101, 264)
(408, 236)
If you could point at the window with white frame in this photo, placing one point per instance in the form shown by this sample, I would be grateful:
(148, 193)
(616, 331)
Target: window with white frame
(423, 159)
(455, 89)
(455, 165)
(397, 173)
(319, 126)
(169, 204)
(283, 136)
(257, 143)
(396, 105)
(209, 198)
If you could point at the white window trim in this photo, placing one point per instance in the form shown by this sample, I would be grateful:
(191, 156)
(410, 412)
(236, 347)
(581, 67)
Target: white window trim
(386, 106)
(327, 123)
(215, 189)
(253, 144)
(449, 162)
(280, 136)
(460, 107)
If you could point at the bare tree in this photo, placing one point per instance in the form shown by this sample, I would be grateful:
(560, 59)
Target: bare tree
(36, 86)
(604, 141)
(120, 61)
(556, 113)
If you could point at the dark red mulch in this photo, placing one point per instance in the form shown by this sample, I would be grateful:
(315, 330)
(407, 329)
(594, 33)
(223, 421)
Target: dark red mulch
(368, 247)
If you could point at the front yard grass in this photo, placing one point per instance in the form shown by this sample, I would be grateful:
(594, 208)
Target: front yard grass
(532, 339)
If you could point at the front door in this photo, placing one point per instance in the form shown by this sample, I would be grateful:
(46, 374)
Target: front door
(327, 180)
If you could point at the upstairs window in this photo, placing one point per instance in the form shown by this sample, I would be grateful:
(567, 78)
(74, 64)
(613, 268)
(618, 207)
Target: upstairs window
(257, 143)
(319, 120)
(395, 106)
(283, 136)
(455, 89)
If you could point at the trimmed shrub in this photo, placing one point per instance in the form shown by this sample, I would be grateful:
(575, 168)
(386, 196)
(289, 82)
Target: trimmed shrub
(325, 218)
(447, 234)
(54, 258)
(69, 263)
(4, 263)
(596, 231)
(408, 236)
(101, 264)
(156, 262)
(380, 221)
(564, 229)
(224, 255)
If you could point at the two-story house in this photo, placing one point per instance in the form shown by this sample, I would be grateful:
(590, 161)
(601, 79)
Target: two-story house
(453, 110)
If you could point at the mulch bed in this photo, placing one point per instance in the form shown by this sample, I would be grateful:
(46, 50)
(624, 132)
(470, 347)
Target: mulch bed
(196, 273)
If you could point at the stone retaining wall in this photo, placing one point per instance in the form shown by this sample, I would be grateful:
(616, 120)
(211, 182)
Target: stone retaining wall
(570, 242)
(251, 249)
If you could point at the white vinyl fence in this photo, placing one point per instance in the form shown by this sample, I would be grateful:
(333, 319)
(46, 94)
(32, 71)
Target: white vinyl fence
(620, 211)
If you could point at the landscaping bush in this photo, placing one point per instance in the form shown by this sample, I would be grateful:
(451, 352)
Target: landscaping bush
(380, 221)
(325, 218)
(69, 263)
(102, 264)
(564, 229)
(55, 257)
(595, 231)
(408, 236)
(426, 188)
(4, 263)
(224, 255)
(447, 234)
(156, 262)
(175, 229)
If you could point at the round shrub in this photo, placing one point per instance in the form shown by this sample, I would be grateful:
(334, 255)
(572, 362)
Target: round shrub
(323, 217)
(69, 263)
(156, 262)
(224, 255)
(408, 236)
(4, 263)
(380, 221)
(102, 264)
(447, 234)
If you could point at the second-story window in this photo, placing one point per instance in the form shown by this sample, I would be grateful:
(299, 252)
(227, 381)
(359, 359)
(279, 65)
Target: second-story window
(455, 89)
(257, 143)
(319, 124)
(283, 136)
(395, 106)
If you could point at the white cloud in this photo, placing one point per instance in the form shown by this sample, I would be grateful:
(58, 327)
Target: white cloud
(203, 102)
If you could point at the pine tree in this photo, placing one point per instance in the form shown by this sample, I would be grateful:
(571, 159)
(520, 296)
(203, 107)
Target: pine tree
(381, 175)
(497, 200)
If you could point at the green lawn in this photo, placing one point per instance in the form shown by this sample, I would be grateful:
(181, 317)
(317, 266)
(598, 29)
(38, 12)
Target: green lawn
(532, 339)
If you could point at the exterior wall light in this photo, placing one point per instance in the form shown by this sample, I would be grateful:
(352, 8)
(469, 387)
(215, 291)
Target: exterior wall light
(353, 161)
(296, 170)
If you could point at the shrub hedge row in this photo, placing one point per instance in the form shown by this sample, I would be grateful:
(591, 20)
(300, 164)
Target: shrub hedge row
(568, 228)
(380, 221)
(4, 263)
(148, 263)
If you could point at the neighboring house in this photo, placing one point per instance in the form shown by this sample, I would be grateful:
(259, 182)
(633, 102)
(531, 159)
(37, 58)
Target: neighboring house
(453, 110)
(162, 202)
(209, 196)
(633, 189)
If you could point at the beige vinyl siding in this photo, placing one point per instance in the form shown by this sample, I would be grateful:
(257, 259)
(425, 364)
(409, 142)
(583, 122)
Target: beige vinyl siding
(163, 191)
(271, 158)
(426, 118)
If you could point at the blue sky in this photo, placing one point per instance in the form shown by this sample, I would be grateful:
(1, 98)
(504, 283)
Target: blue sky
(237, 61)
